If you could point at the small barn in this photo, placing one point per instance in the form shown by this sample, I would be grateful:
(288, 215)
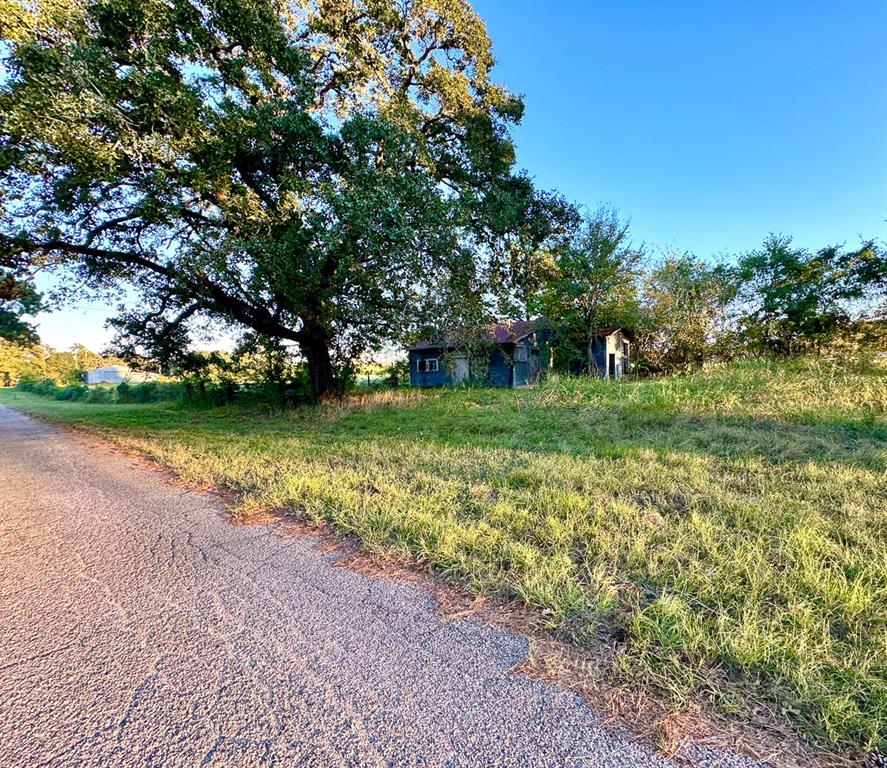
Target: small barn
(115, 374)
(514, 360)
(611, 352)
(107, 374)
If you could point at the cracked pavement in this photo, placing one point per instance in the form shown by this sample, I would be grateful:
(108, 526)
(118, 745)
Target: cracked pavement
(138, 627)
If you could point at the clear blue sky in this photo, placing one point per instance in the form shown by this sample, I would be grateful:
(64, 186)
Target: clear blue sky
(710, 124)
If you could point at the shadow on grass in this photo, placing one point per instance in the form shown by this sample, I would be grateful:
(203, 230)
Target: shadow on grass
(614, 434)
(504, 424)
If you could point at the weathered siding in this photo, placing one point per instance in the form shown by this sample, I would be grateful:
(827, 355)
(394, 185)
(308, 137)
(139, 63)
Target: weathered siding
(613, 344)
(543, 343)
(500, 370)
(503, 370)
(427, 378)
(599, 355)
(522, 369)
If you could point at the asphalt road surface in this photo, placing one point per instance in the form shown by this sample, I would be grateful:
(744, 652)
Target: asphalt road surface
(138, 627)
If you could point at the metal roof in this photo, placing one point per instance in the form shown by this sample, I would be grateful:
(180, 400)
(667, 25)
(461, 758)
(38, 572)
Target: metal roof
(503, 333)
(113, 367)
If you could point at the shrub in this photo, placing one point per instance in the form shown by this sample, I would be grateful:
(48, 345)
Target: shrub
(101, 393)
(146, 392)
(46, 387)
(71, 392)
(157, 391)
(123, 393)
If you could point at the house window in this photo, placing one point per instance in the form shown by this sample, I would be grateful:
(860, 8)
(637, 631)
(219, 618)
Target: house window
(520, 354)
(625, 348)
(429, 365)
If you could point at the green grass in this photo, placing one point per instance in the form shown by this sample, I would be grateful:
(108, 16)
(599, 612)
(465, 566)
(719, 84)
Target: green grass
(728, 527)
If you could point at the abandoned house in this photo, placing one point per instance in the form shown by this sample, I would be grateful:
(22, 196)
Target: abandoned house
(519, 354)
(515, 359)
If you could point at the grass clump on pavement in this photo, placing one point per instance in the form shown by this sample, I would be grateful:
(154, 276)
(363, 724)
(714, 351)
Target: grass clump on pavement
(728, 526)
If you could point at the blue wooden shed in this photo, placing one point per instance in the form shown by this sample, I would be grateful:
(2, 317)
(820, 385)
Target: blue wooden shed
(518, 355)
(611, 352)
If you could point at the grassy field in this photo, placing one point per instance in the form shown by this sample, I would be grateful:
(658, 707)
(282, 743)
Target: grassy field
(730, 527)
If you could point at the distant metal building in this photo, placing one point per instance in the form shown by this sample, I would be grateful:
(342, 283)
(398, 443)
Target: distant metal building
(116, 374)
(107, 374)
(518, 356)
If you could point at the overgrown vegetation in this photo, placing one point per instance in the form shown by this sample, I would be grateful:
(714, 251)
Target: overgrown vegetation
(143, 392)
(728, 527)
(324, 182)
(199, 393)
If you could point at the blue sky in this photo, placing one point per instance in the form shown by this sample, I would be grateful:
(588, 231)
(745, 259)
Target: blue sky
(710, 124)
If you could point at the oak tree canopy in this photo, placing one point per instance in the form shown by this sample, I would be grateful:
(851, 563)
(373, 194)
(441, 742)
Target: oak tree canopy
(295, 170)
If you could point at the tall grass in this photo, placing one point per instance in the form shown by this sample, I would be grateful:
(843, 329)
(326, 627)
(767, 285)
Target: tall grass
(728, 527)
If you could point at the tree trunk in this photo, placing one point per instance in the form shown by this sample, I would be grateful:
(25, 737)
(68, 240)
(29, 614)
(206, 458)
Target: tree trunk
(592, 336)
(315, 348)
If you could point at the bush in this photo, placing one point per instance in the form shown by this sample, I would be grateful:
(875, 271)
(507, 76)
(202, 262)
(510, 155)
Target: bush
(46, 387)
(150, 392)
(145, 392)
(101, 393)
(71, 392)
(295, 392)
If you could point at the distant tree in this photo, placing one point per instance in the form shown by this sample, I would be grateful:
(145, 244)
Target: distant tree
(684, 312)
(870, 333)
(86, 360)
(260, 360)
(20, 362)
(295, 171)
(61, 367)
(542, 224)
(34, 362)
(595, 280)
(200, 370)
(18, 299)
(790, 300)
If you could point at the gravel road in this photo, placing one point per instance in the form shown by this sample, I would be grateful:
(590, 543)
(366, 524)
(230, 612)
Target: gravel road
(139, 628)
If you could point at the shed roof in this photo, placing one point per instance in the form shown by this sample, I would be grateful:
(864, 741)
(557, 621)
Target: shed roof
(503, 333)
(609, 330)
(113, 367)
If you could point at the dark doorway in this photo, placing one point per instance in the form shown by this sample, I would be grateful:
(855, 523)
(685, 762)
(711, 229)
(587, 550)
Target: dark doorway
(612, 367)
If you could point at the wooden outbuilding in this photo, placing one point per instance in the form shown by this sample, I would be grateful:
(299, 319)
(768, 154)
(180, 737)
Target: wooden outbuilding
(611, 353)
(517, 358)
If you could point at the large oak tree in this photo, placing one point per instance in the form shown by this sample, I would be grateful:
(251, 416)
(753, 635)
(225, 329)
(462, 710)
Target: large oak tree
(294, 170)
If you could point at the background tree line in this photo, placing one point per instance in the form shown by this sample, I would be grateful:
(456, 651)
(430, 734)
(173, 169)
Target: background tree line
(32, 361)
(326, 182)
(779, 299)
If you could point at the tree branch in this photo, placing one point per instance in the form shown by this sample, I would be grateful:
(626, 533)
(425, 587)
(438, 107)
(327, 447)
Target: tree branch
(213, 296)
